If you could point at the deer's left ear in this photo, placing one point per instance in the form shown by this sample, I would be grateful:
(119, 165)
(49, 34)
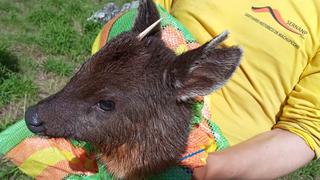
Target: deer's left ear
(147, 15)
(200, 71)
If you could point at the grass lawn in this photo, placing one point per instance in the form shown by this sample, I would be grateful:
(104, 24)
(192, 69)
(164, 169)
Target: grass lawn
(42, 43)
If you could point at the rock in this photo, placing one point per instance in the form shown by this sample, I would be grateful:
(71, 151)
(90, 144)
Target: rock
(110, 10)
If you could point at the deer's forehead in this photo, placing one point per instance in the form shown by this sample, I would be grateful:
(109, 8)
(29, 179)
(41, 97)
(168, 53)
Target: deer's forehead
(119, 69)
(116, 76)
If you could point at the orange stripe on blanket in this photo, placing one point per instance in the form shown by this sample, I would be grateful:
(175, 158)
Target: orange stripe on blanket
(172, 38)
(199, 138)
(26, 148)
(64, 168)
(57, 171)
(49, 157)
(31, 145)
(36, 154)
(106, 29)
(40, 160)
(193, 45)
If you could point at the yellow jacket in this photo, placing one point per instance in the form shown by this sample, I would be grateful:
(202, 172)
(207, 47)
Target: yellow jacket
(278, 82)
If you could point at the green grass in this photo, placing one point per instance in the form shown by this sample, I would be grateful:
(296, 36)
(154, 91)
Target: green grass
(58, 66)
(311, 171)
(41, 45)
(13, 85)
(16, 86)
(10, 171)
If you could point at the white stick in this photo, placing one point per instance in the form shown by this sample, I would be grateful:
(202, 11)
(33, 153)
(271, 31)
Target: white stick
(147, 31)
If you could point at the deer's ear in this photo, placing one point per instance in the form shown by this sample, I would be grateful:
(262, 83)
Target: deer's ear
(147, 15)
(200, 71)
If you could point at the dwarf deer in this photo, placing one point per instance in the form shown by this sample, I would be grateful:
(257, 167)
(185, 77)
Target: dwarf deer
(133, 99)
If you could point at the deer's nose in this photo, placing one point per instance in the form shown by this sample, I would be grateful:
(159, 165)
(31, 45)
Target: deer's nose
(32, 120)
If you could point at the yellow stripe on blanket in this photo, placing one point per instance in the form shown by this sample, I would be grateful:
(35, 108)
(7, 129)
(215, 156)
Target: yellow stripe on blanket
(96, 44)
(40, 160)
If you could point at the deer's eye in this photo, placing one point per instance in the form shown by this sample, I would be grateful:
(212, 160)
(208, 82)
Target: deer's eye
(106, 105)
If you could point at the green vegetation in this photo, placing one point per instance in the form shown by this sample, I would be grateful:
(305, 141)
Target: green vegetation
(311, 171)
(58, 66)
(10, 171)
(42, 43)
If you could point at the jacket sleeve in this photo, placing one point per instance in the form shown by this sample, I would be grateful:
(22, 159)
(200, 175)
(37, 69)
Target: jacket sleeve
(301, 113)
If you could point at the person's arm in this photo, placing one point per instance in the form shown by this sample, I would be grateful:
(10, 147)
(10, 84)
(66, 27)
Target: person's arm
(266, 156)
(293, 142)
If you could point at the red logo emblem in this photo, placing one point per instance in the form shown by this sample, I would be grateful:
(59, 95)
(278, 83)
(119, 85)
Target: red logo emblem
(276, 16)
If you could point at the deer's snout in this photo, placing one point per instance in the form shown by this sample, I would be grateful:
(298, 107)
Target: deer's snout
(33, 122)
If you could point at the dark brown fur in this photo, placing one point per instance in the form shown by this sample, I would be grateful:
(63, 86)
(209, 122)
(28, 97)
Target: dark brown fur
(151, 88)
